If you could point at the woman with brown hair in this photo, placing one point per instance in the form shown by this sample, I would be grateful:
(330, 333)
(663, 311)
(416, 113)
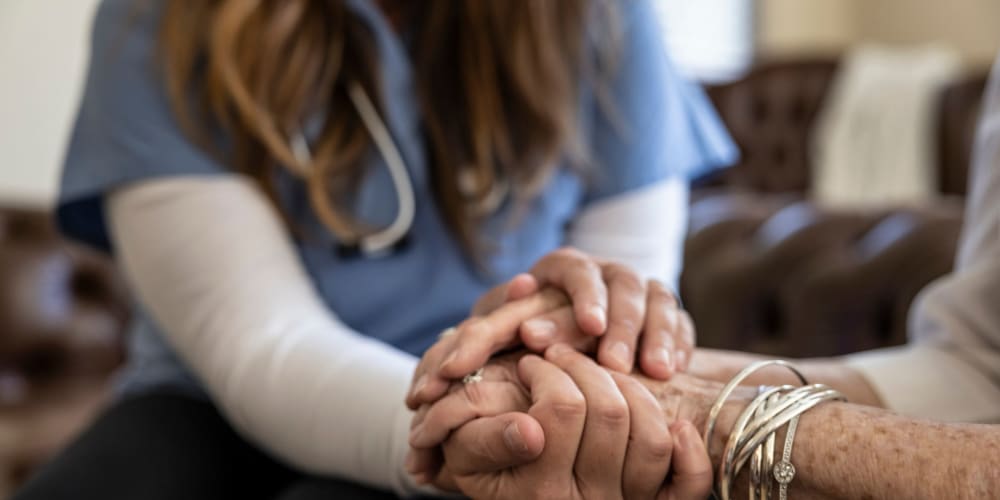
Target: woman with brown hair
(304, 193)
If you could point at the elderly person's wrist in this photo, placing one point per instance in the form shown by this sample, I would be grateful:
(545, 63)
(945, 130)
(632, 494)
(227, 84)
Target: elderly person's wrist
(690, 398)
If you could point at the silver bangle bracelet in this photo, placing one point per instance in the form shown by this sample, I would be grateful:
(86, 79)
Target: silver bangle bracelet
(752, 438)
(727, 391)
(784, 471)
(778, 422)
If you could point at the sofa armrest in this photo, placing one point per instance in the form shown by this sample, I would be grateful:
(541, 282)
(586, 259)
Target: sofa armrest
(808, 281)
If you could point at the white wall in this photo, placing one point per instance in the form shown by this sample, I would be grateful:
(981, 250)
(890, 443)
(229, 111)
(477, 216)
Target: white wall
(43, 50)
(792, 27)
(972, 27)
(710, 40)
(797, 27)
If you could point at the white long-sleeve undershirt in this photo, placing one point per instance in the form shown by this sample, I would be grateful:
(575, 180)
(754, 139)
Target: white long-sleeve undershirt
(211, 260)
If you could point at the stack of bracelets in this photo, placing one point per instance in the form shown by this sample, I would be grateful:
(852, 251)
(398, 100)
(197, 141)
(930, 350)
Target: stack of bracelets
(752, 437)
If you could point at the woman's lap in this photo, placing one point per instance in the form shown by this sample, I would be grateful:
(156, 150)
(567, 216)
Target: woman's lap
(168, 446)
(327, 489)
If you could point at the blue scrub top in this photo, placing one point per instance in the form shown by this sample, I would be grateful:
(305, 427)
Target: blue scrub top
(125, 131)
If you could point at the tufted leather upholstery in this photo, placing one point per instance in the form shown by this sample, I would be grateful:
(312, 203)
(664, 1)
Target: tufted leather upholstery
(770, 114)
(796, 280)
(62, 313)
(768, 271)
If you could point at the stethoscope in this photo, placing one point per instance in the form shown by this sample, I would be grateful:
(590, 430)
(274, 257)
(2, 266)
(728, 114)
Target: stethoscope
(383, 241)
(392, 236)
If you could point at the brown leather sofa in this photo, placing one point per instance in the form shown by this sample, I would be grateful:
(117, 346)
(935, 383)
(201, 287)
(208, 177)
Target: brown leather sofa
(765, 269)
(768, 271)
(62, 314)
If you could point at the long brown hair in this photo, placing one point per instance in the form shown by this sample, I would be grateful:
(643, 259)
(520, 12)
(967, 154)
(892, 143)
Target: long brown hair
(498, 81)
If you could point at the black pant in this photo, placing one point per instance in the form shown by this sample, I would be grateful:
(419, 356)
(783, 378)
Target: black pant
(163, 446)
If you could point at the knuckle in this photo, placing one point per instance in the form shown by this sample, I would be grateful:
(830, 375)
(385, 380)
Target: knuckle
(475, 328)
(568, 407)
(557, 257)
(626, 319)
(588, 265)
(658, 448)
(658, 291)
(624, 277)
(567, 253)
(613, 414)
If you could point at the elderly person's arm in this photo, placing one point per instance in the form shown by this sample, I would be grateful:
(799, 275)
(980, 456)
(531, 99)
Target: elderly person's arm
(841, 450)
(844, 450)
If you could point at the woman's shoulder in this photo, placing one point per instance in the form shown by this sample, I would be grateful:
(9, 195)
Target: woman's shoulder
(125, 129)
(122, 80)
(125, 23)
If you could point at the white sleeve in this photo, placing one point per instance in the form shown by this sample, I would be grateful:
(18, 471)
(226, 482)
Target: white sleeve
(929, 381)
(211, 260)
(951, 370)
(644, 229)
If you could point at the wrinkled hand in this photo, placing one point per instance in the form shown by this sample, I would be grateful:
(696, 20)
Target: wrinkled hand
(595, 433)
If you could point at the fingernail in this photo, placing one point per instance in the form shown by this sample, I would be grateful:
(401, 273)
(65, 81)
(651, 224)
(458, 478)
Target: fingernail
(450, 359)
(420, 385)
(598, 313)
(411, 462)
(559, 350)
(541, 330)
(513, 439)
(620, 352)
(662, 356)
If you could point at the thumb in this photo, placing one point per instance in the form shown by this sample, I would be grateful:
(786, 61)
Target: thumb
(692, 469)
(490, 444)
(521, 286)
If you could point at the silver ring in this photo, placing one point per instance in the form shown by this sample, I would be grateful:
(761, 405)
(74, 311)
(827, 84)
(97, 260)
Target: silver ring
(474, 377)
(447, 332)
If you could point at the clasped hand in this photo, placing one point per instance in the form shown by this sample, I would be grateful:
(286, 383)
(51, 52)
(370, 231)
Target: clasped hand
(560, 425)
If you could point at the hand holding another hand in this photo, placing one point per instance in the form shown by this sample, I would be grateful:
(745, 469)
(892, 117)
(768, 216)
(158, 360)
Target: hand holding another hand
(563, 427)
(591, 305)
(568, 297)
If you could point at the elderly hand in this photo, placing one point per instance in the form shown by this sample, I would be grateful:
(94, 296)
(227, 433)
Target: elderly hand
(597, 434)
